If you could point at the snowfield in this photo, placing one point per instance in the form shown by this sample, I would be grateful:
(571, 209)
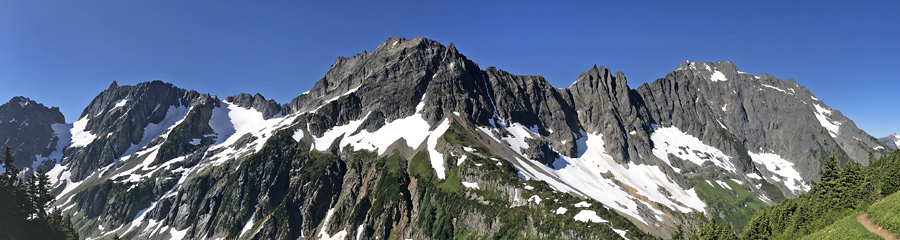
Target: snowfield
(583, 176)
(671, 140)
(782, 169)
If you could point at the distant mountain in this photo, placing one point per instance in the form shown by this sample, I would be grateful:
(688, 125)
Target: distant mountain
(414, 140)
(30, 130)
(892, 141)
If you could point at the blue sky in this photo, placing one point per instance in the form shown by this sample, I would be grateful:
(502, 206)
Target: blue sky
(63, 53)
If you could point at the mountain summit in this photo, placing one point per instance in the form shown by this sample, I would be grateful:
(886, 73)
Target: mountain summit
(414, 140)
(892, 141)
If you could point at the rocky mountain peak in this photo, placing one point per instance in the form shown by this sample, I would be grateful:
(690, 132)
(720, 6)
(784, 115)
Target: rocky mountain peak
(268, 107)
(28, 128)
(892, 141)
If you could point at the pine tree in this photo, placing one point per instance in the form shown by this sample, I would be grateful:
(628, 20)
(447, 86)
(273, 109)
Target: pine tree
(39, 188)
(23, 206)
(678, 234)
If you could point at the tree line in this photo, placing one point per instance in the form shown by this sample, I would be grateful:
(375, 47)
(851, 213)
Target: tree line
(26, 205)
(841, 191)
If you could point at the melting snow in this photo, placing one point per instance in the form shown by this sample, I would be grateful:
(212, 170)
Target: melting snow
(64, 137)
(718, 76)
(582, 204)
(80, 137)
(121, 103)
(249, 224)
(413, 129)
(620, 232)
(359, 231)
(298, 135)
(323, 234)
(232, 122)
(585, 176)
(561, 210)
(672, 140)
(535, 199)
(776, 88)
(589, 216)
(723, 184)
(822, 115)
(781, 168)
(175, 234)
(461, 160)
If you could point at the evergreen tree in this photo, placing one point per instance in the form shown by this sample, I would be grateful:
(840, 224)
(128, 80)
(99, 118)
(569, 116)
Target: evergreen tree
(39, 188)
(678, 234)
(8, 163)
(23, 207)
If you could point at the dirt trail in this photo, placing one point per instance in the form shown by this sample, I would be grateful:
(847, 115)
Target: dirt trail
(864, 220)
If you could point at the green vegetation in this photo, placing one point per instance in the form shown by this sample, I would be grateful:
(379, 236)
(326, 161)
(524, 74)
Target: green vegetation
(24, 206)
(772, 190)
(710, 229)
(737, 204)
(886, 213)
(847, 228)
(841, 192)
(444, 204)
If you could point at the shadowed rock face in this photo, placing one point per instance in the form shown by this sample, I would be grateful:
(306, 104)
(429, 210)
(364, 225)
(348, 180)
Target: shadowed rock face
(26, 127)
(158, 155)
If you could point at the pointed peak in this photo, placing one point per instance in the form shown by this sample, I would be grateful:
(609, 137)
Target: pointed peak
(113, 85)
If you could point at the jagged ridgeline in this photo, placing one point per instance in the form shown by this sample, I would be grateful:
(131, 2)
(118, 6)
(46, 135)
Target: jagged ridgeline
(415, 141)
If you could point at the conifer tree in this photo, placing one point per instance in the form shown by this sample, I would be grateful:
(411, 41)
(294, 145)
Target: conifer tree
(39, 188)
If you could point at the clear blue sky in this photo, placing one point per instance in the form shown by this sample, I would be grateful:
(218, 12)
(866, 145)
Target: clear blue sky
(63, 53)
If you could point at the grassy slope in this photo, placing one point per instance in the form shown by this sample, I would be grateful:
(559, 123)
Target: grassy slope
(737, 205)
(885, 213)
(846, 228)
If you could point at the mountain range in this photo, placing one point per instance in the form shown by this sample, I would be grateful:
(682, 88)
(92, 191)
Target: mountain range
(416, 141)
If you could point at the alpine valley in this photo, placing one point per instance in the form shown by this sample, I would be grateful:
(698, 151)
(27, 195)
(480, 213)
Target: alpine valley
(415, 141)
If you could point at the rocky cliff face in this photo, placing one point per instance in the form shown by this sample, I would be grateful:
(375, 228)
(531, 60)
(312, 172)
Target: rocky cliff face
(30, 130)
(892, 141)
(413, 140)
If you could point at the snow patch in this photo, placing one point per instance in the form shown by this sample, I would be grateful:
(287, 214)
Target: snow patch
(121, 103)
(561, 210)
(249, 224)
(323, 233)
(471, 185)
(582, 204)
(723, 184)
(671, 140)
(822, 115)
(81, 137)
(195, 141)
(461, 160)
(781, 168)
(535, 199)
(584, 176)
(359, 231)
(718, 76)
(175, 234)
(589, 216)
(776, 88)
(298, 135)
